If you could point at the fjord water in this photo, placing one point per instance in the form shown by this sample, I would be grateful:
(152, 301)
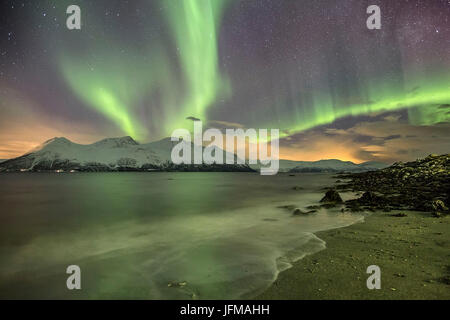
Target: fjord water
(208, 235)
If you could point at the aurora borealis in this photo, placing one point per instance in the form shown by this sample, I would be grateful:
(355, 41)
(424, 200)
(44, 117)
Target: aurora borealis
(309, 68)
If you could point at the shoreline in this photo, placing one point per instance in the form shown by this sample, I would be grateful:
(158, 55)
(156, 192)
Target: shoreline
(411, 251)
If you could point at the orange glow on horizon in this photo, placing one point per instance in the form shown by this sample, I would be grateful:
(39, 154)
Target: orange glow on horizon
(330, 152)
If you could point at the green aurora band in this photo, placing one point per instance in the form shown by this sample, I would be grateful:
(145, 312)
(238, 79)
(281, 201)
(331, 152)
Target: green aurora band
(109, 86)
(194, 26)
(425, 107)
(115, 88)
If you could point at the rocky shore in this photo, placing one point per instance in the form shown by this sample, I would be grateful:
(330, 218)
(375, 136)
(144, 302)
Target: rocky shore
(421, 185)
(403, 237)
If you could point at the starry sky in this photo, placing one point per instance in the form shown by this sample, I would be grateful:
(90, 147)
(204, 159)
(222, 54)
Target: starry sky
(312, 69)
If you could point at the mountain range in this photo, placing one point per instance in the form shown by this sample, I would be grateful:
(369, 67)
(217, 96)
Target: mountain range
(334, 165)
(111, 154)
(125, 154)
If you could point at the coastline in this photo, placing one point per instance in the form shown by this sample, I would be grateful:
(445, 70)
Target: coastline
(411, 251)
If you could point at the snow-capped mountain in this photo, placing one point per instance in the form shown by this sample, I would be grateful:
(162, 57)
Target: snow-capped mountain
(123, 154)
(105, 155)
(333, 165)
(330, 165)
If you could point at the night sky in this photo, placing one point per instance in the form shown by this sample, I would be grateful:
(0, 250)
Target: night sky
(309, 68)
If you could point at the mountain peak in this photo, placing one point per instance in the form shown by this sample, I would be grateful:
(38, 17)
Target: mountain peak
(55, 142)
(117, 142)
(58, 140)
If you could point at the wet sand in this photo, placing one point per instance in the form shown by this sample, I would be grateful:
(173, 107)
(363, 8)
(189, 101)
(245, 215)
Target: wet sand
(413, 253)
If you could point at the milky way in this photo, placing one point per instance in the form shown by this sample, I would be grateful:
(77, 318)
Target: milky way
(140, 68)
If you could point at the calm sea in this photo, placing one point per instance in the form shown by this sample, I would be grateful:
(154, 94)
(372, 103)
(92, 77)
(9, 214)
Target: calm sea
(155, 235)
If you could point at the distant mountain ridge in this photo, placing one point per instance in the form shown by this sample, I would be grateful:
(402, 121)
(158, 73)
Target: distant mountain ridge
(329, 165)
(334, 165)
(125, 154)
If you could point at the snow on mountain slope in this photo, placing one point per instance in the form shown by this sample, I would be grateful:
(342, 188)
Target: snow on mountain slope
(330, 165)
(107, 151)
(110, 153)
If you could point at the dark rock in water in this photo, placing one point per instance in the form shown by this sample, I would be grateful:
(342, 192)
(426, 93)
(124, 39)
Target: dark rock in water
(368, 197)
(332, 196)
(368, 201)
(315, 207)
(297, 188)
(297, 212)
(355, 207)
(328, 205)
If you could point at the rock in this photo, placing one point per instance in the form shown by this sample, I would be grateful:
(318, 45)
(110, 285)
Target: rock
(421, 185)
(372, 200)
(328, 205)
(368, 197)
(297, 188)
(332, 196)
(298, 212)
(177, 284)
(355, 208)
(439, 206)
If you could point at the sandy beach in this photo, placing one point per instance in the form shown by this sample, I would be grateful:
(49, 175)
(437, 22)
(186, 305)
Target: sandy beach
(412, 252)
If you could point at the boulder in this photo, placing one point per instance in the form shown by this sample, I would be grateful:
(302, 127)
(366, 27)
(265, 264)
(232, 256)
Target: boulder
(439, 208)
(370, 198)
(438, 205)
(332, 196)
